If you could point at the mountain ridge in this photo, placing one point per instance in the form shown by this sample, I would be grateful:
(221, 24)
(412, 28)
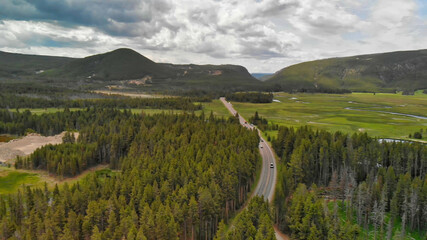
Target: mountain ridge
(400, 70)
(126, 68)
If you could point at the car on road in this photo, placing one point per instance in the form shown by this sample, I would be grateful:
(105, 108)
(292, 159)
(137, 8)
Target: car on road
(260, 146)
(271, 165)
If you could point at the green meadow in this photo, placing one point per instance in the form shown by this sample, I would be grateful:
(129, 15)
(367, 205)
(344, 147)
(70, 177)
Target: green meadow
(345, 112)
(11, 180)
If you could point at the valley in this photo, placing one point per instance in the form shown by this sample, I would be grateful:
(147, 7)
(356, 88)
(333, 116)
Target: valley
(213, 120)
(139, 121)
(334, 112)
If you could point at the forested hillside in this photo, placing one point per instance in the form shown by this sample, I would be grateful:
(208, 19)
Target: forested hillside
(180, 175)
(382, 186)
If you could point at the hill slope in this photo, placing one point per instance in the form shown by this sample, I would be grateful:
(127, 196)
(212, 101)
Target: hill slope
(14, 64)
(406, 70)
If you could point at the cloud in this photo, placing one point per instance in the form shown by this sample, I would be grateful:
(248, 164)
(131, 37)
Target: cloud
(263, 35)
(116, 17)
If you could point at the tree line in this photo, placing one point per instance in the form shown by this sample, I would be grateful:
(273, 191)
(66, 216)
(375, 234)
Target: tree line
(17, 101)
(19, 123)
(252, 97)
(379, 183)
(179, 177)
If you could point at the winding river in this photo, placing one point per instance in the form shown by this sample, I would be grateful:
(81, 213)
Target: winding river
(394, 113)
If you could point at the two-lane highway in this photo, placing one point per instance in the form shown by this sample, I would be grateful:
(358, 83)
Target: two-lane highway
(268, 178)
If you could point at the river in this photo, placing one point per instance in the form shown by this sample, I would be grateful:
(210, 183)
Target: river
(394, 113)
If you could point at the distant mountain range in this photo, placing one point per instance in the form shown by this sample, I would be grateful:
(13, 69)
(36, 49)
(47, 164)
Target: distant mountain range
(262, 76)
(128, 70)
(405, 70)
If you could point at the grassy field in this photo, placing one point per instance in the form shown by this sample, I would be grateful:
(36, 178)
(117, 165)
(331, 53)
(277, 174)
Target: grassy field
(347, 113)
(217, 108)
(40, 111)
(11, 179)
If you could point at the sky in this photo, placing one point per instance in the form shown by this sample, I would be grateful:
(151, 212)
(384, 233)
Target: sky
(262, 35)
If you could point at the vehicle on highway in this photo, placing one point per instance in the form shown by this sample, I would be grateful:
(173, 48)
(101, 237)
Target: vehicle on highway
(271, 165)
(260, 146)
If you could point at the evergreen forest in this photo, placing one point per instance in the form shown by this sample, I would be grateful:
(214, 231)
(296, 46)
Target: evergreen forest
(177, 176)
(340, 186)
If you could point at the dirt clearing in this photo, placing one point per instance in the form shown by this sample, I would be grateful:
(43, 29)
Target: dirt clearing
(26, 145)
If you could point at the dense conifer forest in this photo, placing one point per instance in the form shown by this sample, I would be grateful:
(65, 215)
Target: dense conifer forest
(182, 176)
(49, 124)
(20, 101)
(255, 222)
(378, 184)
(179, 176)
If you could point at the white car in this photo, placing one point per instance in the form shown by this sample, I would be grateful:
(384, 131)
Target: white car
(271, 165)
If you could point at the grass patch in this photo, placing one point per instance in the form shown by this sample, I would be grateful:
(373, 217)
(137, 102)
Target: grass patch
(217, 107)
(11, 180)
(40, 111)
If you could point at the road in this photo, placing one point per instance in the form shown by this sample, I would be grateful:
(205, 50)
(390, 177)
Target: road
(268, 178)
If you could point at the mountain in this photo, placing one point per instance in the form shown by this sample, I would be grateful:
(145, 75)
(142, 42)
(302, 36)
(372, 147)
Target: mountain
(405, 70)
(120, 64)
(14, 64)
(125, 69)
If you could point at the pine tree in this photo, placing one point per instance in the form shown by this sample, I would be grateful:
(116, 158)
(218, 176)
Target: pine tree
(96, 235)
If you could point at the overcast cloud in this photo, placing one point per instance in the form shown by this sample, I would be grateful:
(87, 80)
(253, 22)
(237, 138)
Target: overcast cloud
(262, 35)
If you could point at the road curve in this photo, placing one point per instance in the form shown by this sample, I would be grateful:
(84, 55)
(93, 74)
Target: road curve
(268, 178)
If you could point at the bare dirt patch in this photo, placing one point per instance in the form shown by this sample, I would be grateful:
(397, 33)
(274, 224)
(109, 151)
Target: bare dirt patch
(129, 94)
(26, 145)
